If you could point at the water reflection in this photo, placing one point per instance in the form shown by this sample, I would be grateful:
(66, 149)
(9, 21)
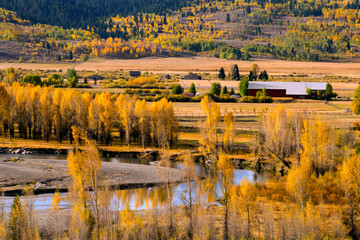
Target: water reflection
(206, 190)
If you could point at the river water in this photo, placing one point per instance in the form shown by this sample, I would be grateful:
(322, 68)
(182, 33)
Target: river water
(208, 189)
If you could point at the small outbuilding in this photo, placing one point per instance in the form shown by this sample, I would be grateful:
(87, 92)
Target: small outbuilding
(95, 77)
(191, 76)
(135, 73)
(188, 94)
(165, 76)
(287, 89)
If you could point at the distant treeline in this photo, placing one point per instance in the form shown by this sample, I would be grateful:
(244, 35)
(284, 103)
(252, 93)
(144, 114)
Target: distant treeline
(84, 13)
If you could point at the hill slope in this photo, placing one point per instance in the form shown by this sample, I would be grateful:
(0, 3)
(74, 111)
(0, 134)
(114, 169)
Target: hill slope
(83, 13)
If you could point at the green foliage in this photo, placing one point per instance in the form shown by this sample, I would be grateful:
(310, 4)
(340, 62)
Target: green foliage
(251, 76)
(247, 56)
(244, 86)
(215, 89)
(71, 73)
(177, 89)
(54, 80)
(232, 92)
(72, 82)
(308, 92)
(82, 14)
(329, 92)
(32, 79)
(192, 89)
(264, 76)
(257, 99)
(221, 74)
(225, 90)
(356, 101)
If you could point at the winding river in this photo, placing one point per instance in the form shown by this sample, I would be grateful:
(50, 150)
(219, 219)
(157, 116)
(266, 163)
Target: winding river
(142, 198)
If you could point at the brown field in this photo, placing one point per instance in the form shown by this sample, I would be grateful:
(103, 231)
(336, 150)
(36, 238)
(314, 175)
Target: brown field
(199, 64)
(208, 64)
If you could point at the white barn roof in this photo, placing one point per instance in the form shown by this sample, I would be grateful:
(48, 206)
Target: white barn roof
(292, 88)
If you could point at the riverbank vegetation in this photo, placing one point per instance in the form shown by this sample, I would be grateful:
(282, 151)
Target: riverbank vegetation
(311, 192)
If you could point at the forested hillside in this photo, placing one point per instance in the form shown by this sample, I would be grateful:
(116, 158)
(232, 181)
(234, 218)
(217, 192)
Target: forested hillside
(83, 13)
(285, 29)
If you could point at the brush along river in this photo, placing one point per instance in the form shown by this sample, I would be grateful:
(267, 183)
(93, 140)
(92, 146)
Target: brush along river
(135, 178)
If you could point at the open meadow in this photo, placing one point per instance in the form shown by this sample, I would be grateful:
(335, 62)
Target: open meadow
(183, 65)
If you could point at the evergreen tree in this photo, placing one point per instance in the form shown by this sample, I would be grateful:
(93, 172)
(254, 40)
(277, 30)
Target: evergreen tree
(221, 74)
(234, 72)
(251, 76)
(85, 81)
(264, 76)
(227, 17)
(232, 92)
(225, 90)
(71, 55)
(192, 89)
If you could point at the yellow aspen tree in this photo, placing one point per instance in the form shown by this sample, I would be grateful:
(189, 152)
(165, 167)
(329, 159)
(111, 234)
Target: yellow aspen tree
(46, 113)
(84, 168)
(245, 197)
(4, 108)
(68, 111)
(17, 220)
(229, 133)
(298, 182)
(226, 169)
(189, 198)
(350, 183)
(106, 114)
(12, 108)
(165, 125)
(128, 117)
(54, 225)
(3, 233)
(142, 113)
(208, 140)
(57, 118)
(21, 95)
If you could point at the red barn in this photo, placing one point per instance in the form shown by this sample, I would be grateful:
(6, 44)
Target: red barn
(286, 89)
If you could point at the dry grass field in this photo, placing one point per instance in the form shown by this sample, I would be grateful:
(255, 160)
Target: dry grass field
(199, 64)
(208, 64)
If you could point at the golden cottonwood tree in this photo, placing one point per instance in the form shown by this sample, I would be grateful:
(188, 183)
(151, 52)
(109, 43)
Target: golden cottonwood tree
(226, 169)
(298, 182)
(208, 139)
(165, 125)
(142, 112)
(84, 168)
(243, 201)
(229, 133)
(350, 182)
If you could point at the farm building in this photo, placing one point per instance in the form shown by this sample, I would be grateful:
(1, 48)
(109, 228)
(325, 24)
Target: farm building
(286, 89)
(188, 94)
(191, 76)
(135, 73)
(95, 77)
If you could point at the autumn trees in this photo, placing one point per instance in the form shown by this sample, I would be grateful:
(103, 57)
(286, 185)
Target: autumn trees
(41, 113)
